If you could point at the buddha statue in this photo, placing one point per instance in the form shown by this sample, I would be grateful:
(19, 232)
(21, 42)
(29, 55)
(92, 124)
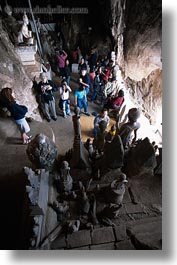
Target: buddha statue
(25, 35)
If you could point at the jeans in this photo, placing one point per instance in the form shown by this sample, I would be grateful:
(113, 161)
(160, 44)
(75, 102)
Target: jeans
(94, 96)
(87, 88)
(95, 131)
(68, 80)
(66, 108)
(82, 103)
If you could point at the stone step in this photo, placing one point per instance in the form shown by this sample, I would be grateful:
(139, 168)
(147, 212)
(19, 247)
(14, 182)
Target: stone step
(146, 233)
(33, 70)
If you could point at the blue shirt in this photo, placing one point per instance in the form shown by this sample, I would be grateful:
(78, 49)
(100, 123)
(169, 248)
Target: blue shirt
(80, 94)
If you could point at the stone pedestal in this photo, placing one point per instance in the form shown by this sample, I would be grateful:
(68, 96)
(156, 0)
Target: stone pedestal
(27, 54)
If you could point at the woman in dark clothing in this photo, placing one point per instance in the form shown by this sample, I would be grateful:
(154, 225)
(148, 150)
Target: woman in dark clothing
(96, 86)
(82, 65)
(67, 74)
(17, 113)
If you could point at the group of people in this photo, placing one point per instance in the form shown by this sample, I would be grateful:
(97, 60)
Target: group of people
(100, 80)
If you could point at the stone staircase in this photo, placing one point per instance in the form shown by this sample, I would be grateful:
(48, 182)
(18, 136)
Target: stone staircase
(33, 70)
(139, 234)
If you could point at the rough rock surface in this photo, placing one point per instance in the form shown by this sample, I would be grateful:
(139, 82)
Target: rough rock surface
(136, 29)
(42, 151)
(12, 74)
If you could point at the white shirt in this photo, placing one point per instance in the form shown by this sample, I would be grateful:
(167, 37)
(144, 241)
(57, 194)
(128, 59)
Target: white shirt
(64, 95)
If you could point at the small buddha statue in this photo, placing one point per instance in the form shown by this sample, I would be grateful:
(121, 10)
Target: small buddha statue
(25, 35)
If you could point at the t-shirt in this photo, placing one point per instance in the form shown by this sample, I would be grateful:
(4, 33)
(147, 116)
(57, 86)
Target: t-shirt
(85, 79)
(80, 94)
(109, 88)
(118, 101)
(61, 60)
(98, 119)
(65, 95)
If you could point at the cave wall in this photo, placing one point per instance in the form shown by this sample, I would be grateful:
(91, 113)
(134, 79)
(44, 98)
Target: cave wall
(136, 29)
(76, 31)
(12, 74)
(142, 44)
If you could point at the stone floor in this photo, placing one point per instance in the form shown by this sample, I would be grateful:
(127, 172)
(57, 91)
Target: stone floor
(138, 226)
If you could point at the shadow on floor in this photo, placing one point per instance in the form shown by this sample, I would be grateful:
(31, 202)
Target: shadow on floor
(13, 141)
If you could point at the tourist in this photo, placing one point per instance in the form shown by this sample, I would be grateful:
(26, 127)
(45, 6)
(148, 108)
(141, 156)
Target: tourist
(46, 89)
(81, 99)
(85, 80)
(61, 57)
(115, 103)
(96, 86)
(82, 65)
(67, 74)
(108, 91)
(17, 113)
(101, 117)
(92, 60)
(64, 103)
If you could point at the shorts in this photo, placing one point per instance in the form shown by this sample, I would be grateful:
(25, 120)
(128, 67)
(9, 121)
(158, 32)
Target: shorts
(23, 125)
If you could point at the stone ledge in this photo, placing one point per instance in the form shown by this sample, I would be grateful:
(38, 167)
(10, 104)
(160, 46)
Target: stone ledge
(146, 233)
(133, 208)
(82, 248)
(120, 232)
(59, 243)
(102, 235)
(78, 239)
(109, 246)
(125, 245)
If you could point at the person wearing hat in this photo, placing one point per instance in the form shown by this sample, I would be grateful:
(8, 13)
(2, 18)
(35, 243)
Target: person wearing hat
(46, 89)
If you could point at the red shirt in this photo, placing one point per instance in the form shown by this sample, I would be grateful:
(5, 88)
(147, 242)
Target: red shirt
(107, 73)
(118, 101)
(92, 76)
